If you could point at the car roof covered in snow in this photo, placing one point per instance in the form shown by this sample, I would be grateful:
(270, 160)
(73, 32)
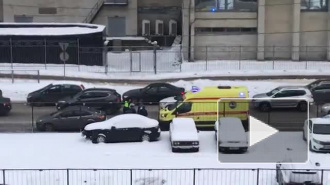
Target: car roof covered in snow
(124, 121)
(184, 130)
(324, 121)
(185, 124)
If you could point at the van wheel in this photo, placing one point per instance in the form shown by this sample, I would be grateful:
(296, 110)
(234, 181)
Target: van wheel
(264, 107)
(302, 106)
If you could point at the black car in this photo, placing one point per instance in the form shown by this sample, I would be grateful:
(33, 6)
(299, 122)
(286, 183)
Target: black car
(104, 99)
(50, 94)
(154, 92)
(5, 106)
(320, 90)
(73, 118)
(123, 128)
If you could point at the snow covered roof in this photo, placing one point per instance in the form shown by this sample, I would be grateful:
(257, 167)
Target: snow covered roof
(184, 124)
(48, 29)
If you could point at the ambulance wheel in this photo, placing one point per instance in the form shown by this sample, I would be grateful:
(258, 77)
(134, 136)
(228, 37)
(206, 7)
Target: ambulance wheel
(164, 126)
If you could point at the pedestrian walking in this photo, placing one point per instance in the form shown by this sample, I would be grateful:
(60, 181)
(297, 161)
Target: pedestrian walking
(142, 110)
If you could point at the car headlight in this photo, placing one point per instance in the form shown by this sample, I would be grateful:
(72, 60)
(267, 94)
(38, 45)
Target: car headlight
(61, 101)
(195, 143)
(317, 141)
(163, 115)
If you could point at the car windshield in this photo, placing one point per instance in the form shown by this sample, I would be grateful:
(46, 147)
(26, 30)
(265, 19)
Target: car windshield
(321, 129)
(272, 92)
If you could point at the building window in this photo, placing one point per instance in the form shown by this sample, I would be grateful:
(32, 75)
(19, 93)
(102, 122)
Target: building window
(23, 18)
(314, 5)
(226, 5)
(228, 31)
(47, 11)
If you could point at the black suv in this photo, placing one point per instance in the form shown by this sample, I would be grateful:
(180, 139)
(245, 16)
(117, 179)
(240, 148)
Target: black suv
(104, 99)
(52, 93)
(5, 105)
(320, 90)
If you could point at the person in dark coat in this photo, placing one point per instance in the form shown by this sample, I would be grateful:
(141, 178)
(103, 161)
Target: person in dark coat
(142, 110)
(131, 109)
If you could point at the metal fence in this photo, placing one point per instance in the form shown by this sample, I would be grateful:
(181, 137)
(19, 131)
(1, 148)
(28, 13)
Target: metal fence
(14, 75)
(23, 118)
(154, 60)
(150, 176)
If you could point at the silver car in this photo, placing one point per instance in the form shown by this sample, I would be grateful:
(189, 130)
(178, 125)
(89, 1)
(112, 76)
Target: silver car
(283, 97)
(325, 109)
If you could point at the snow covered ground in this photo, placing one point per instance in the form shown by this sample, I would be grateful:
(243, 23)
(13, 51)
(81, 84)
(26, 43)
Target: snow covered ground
(70, 150)
(18, 91)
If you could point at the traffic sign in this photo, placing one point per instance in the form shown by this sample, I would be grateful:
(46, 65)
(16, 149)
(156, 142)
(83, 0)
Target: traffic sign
(64, 45)
(64, 56)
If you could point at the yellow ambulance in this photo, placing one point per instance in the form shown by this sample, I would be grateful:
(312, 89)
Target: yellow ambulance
(201, 105)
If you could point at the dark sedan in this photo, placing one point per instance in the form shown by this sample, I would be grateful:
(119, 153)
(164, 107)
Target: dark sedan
(154, 92)
(50, 94)
(73, 118)
(123, 128)
(5, 106)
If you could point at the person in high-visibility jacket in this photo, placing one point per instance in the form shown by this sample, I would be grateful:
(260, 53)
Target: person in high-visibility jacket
(127, 103)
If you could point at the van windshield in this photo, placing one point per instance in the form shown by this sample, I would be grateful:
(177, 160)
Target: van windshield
(321, 129)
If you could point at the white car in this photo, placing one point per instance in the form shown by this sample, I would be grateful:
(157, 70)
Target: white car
(184, 135)
(231, 135)
(318, 132)
(167, 101)
(298, 174)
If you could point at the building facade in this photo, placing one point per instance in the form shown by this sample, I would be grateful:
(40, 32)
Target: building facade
(251, 29)
(121, 17)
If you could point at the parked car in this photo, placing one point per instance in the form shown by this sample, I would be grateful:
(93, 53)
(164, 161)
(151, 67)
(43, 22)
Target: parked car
(325, 109)
(298, 97)
(299, 174)
(123, 128)
(317, 130)
(164, 103)
(184, 135)
(104, 99)
(50, 94)
(231, 135)
(5, 105)
(320, 90)
(73, 118)
(154, 92)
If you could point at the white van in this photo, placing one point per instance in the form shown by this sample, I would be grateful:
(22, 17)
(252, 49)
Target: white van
(318, 132)
(184, 135)
(231, 135)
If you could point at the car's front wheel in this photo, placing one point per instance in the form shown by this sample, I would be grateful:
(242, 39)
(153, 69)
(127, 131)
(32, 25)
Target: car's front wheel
(145, 137)
(49, 127)
(100, 139)
(264, 107)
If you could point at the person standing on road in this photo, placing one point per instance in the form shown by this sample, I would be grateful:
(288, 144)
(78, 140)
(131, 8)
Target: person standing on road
(127, 104)
(142, 109)
(131, 109)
